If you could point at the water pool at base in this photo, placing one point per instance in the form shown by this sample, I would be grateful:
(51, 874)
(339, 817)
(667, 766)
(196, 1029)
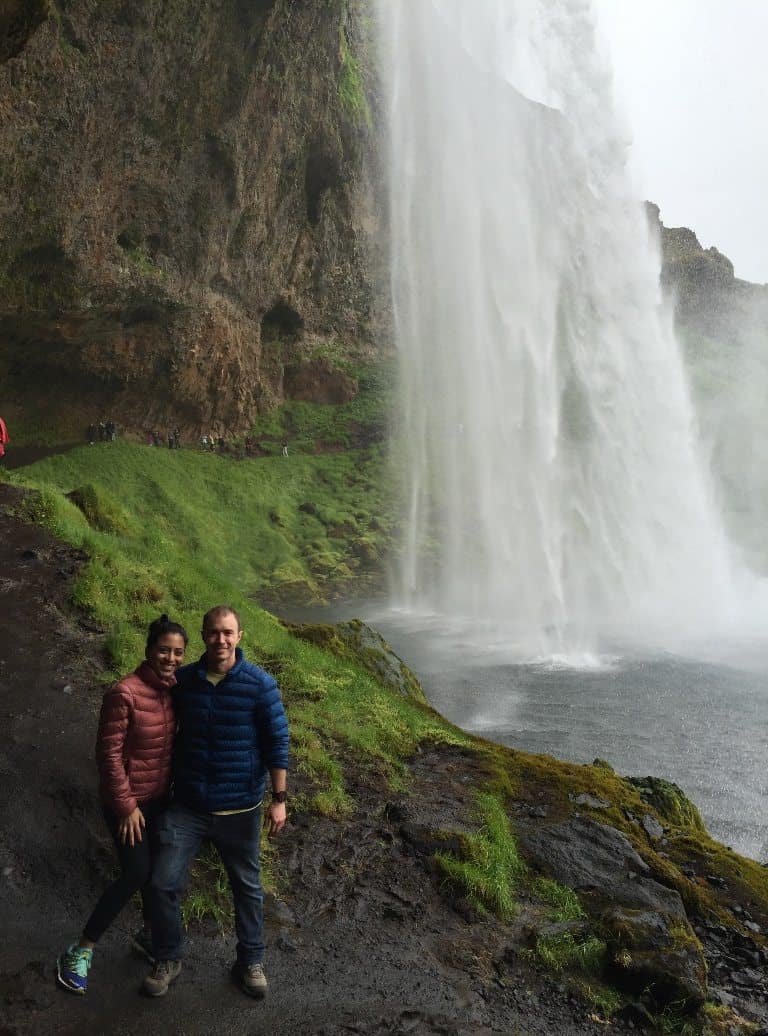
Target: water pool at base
(701, 722)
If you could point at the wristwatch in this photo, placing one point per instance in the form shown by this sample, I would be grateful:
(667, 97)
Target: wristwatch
(279, 796)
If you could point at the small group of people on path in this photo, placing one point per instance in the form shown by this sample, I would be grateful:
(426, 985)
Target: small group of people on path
(183, 753)
(173, 439)
(101, 431)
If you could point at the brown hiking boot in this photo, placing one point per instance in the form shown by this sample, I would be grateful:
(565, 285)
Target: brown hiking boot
(161, 976)
(251, 979)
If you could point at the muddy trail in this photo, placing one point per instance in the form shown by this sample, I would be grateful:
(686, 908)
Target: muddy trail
(362, 941)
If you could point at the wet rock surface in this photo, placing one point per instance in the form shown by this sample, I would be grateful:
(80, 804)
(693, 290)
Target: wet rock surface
(651, 947)
(597, 859)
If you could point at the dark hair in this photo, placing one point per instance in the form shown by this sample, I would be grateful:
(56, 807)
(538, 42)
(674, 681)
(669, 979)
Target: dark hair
(160, 627)
(221, 609)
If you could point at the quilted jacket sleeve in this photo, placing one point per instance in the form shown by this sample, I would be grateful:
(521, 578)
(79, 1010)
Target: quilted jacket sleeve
(274, 726)
(114, 721)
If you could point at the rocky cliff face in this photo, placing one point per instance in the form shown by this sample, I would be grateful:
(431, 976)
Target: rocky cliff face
(722, 324)
(709, 299)
(187, 205)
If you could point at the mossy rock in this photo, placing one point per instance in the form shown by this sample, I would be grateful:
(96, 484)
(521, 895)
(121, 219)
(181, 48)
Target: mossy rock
(656, 956)
(359, 643)
(669, 801)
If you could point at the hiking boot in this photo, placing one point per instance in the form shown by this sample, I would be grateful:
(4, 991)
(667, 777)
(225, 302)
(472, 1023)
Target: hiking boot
(250, 978)
(72, 969)
(141, 942)
(161, 976)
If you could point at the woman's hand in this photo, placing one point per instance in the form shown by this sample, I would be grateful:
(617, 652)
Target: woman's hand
(130, 827)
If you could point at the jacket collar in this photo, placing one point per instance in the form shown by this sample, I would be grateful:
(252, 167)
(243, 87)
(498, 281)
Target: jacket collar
(146, 673)
(202, 665)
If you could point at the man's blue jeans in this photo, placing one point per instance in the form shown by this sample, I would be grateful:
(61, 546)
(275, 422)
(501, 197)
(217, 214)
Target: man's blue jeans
(179, 833)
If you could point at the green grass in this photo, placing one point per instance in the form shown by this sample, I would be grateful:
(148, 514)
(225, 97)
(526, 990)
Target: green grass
(564, 903)
(273, 525)
(565, 951)
(351, 86)
(491, 870)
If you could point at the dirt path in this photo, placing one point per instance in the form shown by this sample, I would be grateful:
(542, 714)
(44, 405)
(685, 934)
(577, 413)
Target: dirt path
(364, 943)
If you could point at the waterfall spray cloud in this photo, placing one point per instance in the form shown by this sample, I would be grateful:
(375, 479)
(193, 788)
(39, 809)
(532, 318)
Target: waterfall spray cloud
(554, 483)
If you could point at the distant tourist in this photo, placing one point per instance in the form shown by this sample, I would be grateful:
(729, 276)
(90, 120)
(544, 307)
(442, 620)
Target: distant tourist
(102, 431)
(91, 433)
(204, 443)
(4, 437)
(232, 731)
(110, 431)
(285, 448)
(133, 752)
(222, 444)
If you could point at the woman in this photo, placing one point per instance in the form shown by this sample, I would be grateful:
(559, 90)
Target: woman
(133, 752)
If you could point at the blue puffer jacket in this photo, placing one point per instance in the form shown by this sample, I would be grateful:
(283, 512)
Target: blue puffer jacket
(229, 736)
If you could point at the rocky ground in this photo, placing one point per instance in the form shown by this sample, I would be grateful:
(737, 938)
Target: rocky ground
(363, 940)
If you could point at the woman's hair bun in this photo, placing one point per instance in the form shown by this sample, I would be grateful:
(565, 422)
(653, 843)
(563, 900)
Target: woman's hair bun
(159, 627)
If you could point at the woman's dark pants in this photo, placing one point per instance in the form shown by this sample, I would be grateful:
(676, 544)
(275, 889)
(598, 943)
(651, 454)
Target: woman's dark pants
(135, 870)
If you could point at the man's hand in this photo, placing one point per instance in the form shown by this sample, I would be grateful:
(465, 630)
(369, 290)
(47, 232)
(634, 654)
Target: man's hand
(274, 818)
(130, 827)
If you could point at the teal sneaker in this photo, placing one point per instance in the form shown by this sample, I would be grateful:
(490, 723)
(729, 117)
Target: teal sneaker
(72, 969)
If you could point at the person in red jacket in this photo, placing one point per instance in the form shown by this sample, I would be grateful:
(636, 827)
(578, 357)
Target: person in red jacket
(133, 752)
(4, 437)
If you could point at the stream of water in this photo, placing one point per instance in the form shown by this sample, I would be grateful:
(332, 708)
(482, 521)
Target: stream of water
(554, 477)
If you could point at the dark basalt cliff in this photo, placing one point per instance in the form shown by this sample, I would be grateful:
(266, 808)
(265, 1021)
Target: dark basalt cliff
(187, 205)
(709, 299)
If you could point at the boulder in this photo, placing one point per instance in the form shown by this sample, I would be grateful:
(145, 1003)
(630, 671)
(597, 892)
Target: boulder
(651, 947)
(669, 801)
(591, 857)
(651, 954)
(360, 643)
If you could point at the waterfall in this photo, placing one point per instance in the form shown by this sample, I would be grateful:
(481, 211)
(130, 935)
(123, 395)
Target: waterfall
(554, 488)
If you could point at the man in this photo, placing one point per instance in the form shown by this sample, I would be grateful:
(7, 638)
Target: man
(232, 729)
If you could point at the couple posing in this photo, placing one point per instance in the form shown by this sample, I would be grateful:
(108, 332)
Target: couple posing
(224, 720)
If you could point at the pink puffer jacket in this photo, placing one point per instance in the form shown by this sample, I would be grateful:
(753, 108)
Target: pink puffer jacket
(135, 739)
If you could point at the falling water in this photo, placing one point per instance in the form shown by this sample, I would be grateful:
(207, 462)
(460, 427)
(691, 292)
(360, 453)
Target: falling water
(554, 488)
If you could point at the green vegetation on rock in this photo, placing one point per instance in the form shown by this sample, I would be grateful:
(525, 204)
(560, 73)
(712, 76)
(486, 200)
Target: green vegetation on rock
(491, 868)
(351, 86)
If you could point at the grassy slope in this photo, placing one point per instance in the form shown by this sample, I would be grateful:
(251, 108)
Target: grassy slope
(262, 524)
(180, 531)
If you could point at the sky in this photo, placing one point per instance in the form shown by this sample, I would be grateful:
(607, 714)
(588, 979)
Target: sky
(691, 79)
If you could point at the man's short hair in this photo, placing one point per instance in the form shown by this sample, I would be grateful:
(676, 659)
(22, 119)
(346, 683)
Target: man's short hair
(219, 610)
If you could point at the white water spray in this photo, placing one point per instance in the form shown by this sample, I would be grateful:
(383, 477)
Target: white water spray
(555, 493)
